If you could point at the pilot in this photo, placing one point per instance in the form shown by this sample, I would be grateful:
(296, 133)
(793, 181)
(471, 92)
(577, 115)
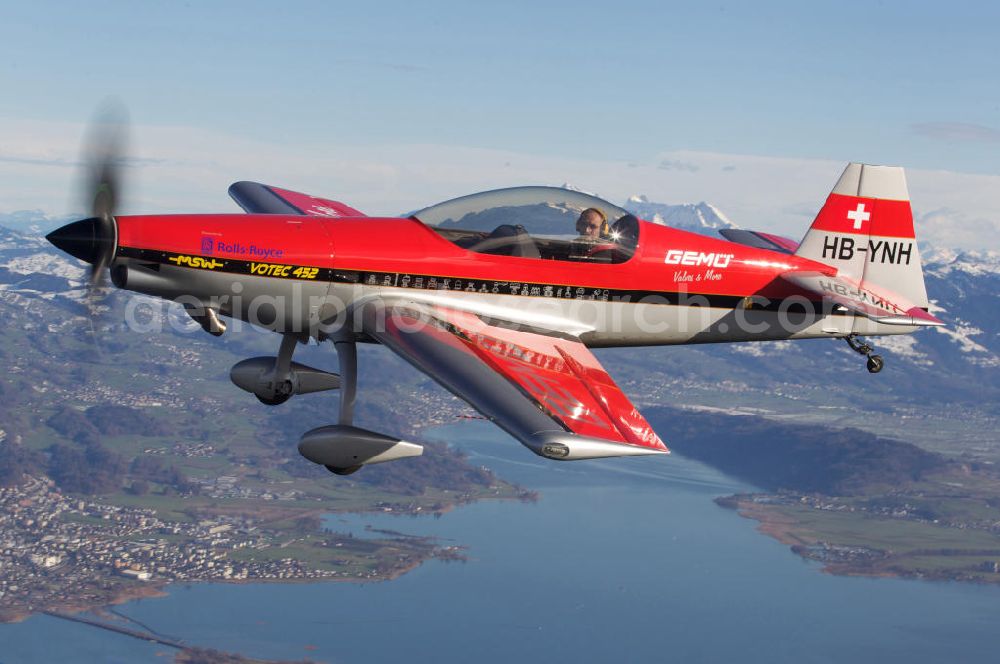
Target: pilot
(595, 243)
(592, 225)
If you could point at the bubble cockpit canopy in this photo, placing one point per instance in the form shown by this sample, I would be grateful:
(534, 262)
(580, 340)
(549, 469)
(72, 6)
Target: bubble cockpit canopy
(536, 222)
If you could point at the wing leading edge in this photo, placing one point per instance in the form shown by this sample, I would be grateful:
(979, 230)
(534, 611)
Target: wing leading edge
(550, 393)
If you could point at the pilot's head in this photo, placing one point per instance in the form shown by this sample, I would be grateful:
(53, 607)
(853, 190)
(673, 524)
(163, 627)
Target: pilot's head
(592, 223)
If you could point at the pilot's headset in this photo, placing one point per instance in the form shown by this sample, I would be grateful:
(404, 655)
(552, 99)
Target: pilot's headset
(605, 226)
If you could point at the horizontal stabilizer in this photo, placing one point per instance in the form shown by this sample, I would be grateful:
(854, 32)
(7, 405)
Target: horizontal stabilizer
(862, 301)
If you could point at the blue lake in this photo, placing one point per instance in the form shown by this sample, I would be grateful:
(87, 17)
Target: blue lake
(620, 560)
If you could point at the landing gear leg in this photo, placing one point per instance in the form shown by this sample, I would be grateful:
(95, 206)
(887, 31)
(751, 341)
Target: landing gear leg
(347, 357)
(858, 345)
(343, 448)
(283, 387)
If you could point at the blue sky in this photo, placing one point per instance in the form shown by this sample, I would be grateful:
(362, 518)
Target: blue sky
(908, 83)
(888, 82)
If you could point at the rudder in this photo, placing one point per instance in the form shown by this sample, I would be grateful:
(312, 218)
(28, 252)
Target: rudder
(865, 230)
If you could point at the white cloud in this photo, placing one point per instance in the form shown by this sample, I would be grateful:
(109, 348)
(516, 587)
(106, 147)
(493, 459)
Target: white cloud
(947, 227)
(956, 132)
(181, 169)
(677, 165)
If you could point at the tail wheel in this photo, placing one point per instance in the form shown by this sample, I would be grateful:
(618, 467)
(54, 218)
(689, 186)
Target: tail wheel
(875, 363)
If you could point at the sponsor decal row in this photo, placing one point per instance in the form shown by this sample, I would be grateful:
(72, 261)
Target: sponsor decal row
(452, 284)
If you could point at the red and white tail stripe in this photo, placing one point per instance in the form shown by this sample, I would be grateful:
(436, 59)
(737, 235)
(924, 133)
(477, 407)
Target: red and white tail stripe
(865, 216)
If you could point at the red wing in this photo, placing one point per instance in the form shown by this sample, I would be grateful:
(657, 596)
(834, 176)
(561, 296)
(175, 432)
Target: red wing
(760, 240)
(784, 243)
(542, 389)
(259, 198)
(563, 377)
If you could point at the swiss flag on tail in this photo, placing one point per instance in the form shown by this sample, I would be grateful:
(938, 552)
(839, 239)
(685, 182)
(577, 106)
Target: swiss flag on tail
(865, 216)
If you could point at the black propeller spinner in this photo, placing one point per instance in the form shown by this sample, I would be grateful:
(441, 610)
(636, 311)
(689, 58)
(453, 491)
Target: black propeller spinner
(88, 239)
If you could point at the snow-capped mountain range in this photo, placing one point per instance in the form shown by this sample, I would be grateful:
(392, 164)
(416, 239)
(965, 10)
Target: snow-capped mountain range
(697, 217)
(34, 222)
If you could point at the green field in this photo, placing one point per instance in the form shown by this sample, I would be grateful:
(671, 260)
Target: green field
(899, 546)
(896, 535)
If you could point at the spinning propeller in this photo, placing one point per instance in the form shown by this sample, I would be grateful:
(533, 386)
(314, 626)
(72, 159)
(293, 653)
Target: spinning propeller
(94, 239)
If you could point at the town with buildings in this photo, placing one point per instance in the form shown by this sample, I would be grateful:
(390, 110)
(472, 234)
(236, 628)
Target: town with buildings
(59, 552)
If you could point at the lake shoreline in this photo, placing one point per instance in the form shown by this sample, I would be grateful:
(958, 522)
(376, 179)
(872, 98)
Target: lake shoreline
(842, 555)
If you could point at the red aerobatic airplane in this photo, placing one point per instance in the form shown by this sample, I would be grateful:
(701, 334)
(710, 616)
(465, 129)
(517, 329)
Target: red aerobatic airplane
(499, 296)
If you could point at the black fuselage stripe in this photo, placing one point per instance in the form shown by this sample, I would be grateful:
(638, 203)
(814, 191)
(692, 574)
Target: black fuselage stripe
(462, 284)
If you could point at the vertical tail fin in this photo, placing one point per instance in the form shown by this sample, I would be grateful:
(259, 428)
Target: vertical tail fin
(865, 230)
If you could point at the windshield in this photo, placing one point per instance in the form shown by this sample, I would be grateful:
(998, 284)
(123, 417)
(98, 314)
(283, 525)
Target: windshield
(537, 222)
